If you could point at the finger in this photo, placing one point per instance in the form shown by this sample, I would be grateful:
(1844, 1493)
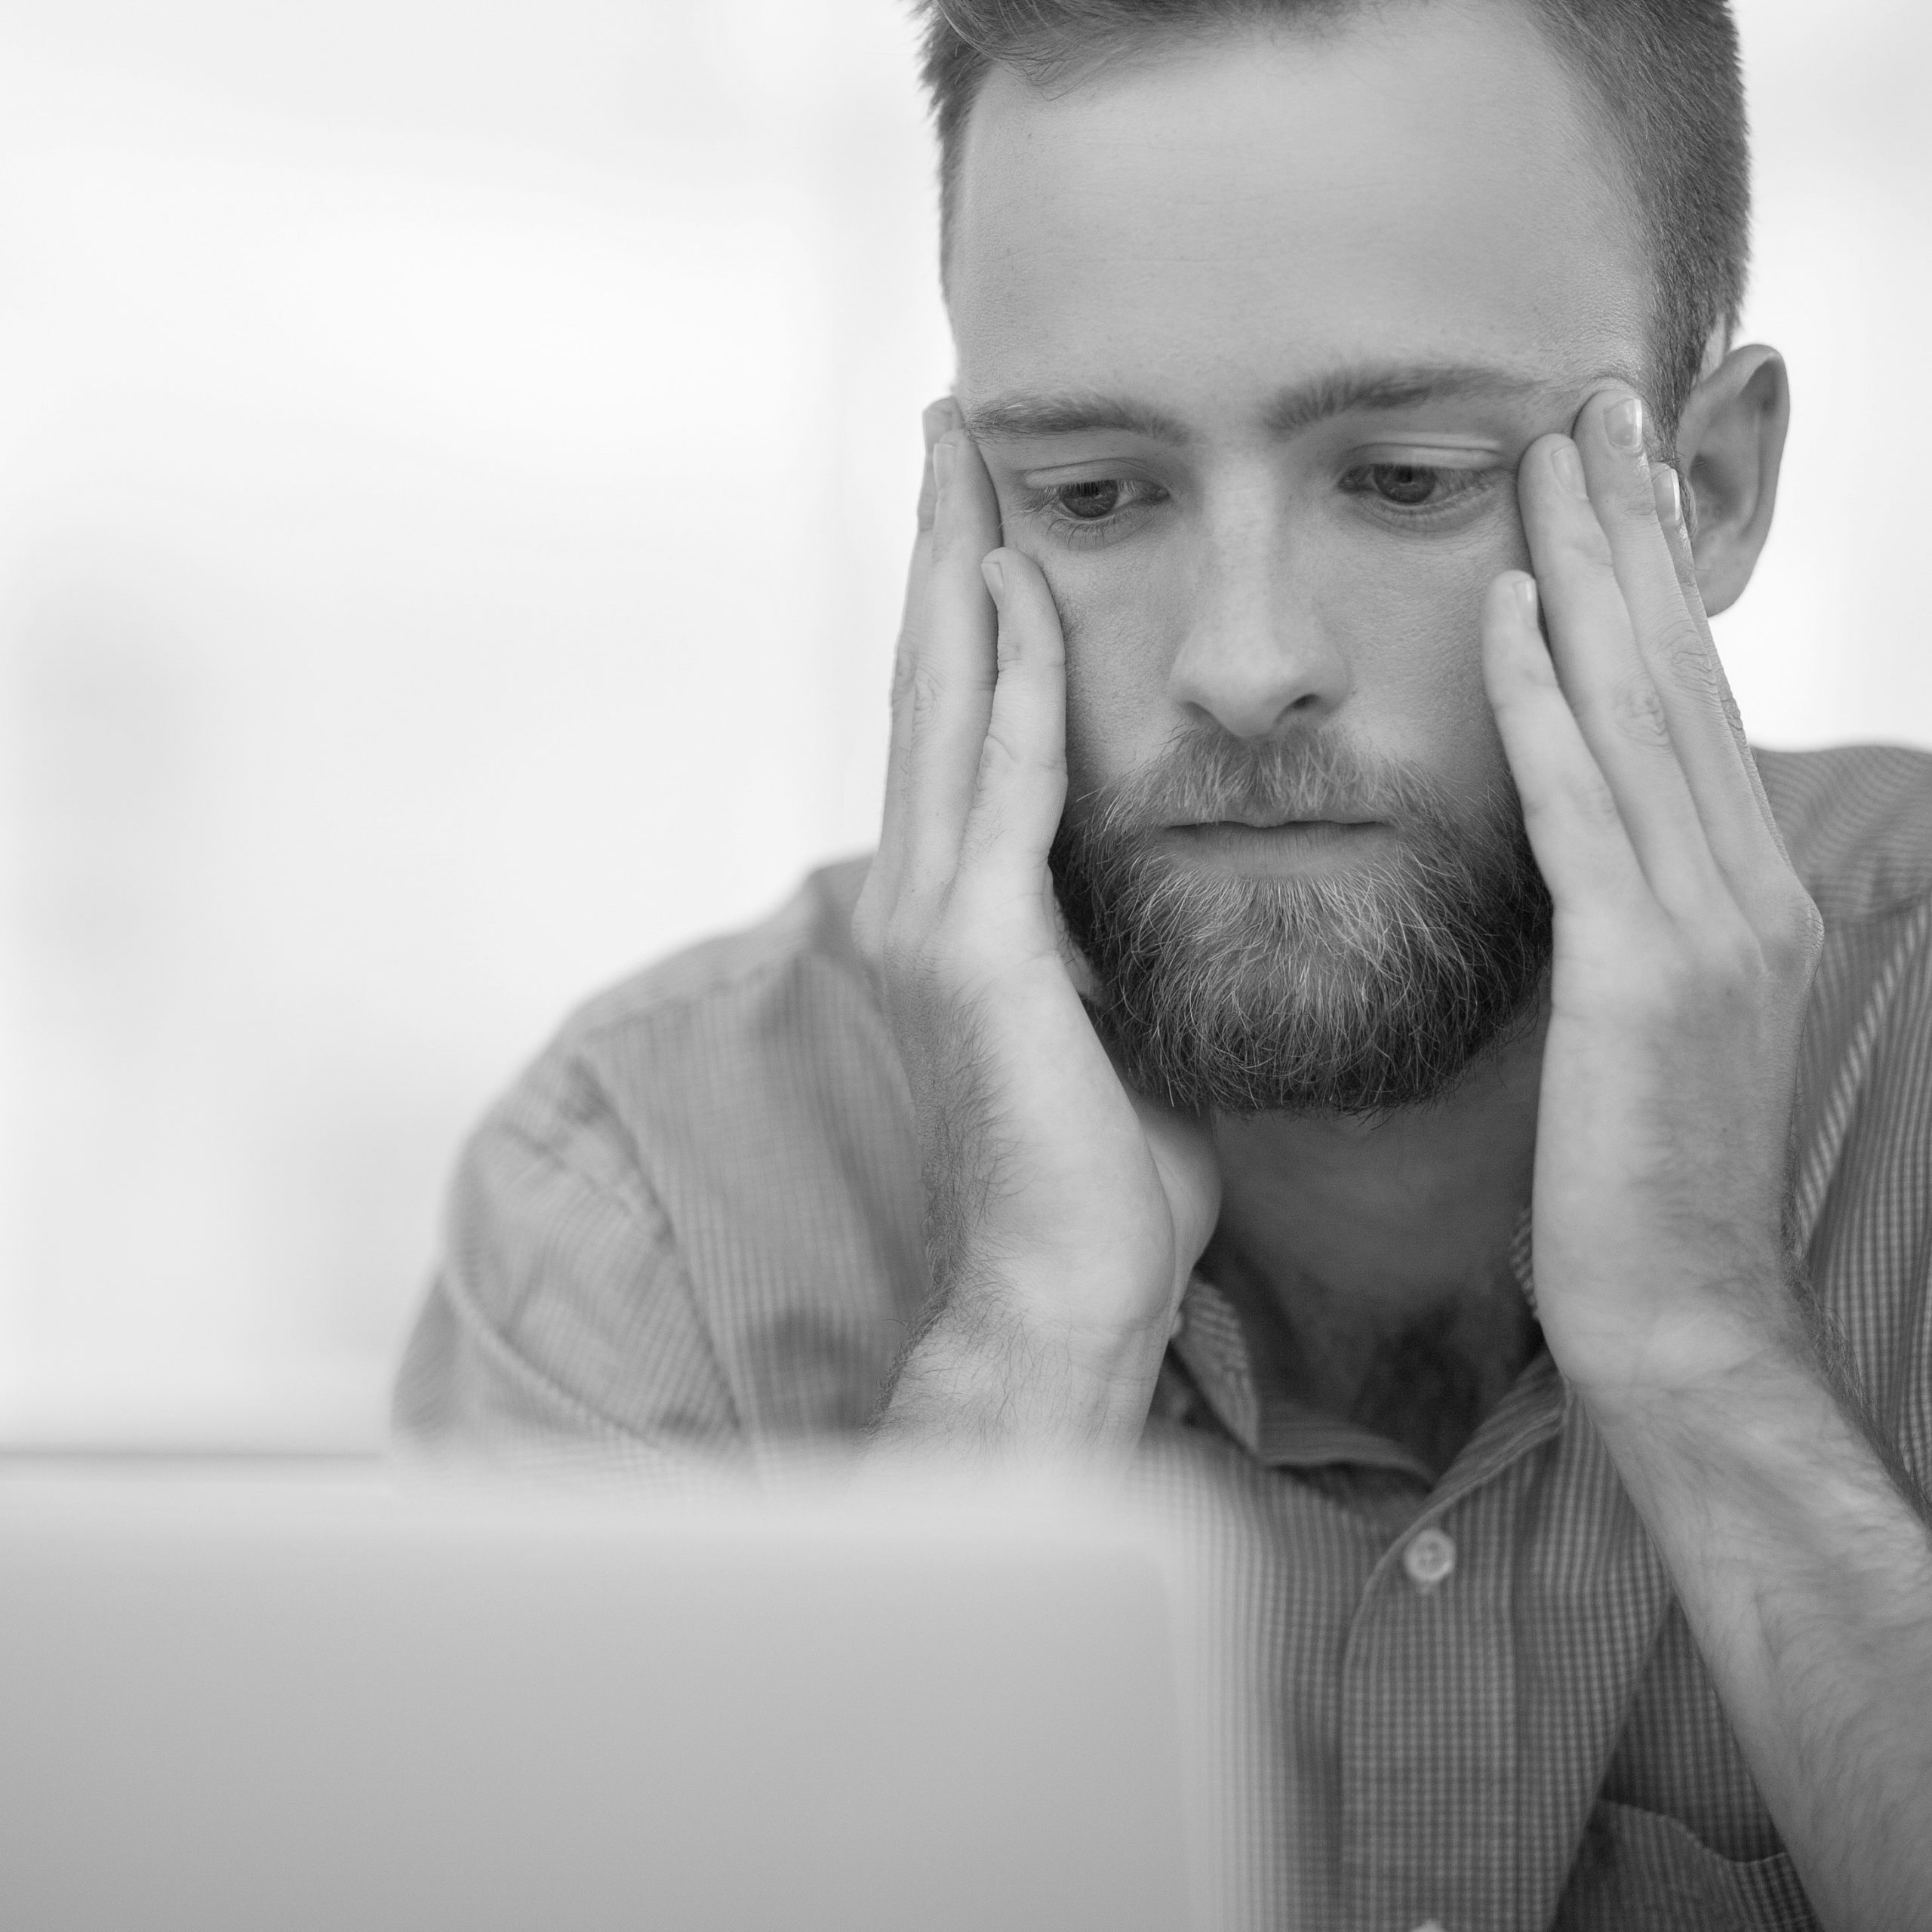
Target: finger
(1575, 828)
(881, 880)
(1675, 515)
(1673, 638)
(1593, 645)
(950, 679)
(1020, 787)
(935, 419)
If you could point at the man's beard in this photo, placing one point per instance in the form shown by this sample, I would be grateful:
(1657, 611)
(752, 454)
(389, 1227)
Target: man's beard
(1370, 984)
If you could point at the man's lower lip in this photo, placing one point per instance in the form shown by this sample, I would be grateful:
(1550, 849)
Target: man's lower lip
(1267, 845)
(1293, 828)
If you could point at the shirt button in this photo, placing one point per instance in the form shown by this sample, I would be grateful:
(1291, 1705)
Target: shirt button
(1428, 1558)
(1430, 1924)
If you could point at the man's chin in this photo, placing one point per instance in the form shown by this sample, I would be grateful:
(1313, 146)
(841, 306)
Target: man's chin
(1331, 1054)
(1328, 986)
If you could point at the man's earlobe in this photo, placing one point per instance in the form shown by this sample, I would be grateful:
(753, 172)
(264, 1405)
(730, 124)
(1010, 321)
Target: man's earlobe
(1730, 444)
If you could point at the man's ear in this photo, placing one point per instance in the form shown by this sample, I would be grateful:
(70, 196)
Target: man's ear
(1730, 444)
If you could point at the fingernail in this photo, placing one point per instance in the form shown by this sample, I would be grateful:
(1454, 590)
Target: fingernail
(1569, 468)
(945, 455)
(1623, 423)
(1525, 588)
(994, 572)
(1670, 496)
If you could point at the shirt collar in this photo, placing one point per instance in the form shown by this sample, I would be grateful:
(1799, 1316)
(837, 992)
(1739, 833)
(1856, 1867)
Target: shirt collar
(1281, 1432)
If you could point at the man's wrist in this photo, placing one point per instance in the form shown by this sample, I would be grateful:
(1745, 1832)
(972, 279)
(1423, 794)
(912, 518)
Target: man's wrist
(989, 1371)
(1731, 1329)
(1701, 1390)
(1759, 1429)
(1747, 1440)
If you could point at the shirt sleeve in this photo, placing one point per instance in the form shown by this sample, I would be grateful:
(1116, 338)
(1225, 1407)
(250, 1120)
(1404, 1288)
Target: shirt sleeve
(560, 1326)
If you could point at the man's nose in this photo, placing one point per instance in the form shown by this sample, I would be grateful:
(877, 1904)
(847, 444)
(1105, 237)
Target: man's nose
(1258, 654)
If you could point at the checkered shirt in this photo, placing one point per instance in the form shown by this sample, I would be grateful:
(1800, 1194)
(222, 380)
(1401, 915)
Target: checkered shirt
(692, 1230)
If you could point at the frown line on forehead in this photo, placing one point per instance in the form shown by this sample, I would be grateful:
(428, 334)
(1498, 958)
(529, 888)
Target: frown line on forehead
(1374, 388)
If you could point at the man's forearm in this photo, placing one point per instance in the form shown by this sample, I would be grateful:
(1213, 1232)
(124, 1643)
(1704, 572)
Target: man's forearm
(1805, 1569)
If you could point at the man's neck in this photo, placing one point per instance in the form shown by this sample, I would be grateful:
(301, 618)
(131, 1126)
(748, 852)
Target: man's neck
(1370, 1257)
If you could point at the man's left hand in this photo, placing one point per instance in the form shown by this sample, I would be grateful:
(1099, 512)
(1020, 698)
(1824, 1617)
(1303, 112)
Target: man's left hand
(1684, 942)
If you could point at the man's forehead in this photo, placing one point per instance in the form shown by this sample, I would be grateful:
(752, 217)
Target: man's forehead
(1422, 191)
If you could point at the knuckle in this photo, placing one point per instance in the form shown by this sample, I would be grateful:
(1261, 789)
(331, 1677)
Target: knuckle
(925, 695)
(1638, 712)
(1599, 803)
(1000, 757)
(1585, 794)
(1679, 651)
(1583, 539)
(986, 835)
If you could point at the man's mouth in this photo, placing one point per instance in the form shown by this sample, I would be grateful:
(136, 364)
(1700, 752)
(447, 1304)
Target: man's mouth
(1244, 823)
(1258, 845)
(1255, 825)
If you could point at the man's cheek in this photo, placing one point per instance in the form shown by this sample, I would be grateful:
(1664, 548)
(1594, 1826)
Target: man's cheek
(1433, 600)
(1116, 670)
(1414, 618)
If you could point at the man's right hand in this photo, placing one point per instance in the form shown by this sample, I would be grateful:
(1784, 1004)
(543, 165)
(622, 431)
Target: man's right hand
(1063, 1213)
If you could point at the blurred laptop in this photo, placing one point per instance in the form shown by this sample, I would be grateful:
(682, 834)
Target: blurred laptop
(261, 1706)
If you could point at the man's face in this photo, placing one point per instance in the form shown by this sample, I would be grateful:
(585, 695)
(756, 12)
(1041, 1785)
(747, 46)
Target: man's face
(1252, 334)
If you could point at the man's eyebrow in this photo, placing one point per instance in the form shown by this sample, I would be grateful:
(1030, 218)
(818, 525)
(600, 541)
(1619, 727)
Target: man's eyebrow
(1360, 391)
(1021, 417)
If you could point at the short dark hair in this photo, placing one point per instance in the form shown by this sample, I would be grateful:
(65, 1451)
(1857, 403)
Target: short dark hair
(1664, 74)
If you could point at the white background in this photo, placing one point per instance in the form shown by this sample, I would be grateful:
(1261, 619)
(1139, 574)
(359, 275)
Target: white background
(457, 467)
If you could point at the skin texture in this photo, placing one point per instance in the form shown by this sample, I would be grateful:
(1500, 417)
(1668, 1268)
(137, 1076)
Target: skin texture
(1203, 234)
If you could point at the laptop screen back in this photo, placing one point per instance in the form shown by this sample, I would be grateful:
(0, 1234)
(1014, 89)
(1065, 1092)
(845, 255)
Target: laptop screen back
(262, 1709)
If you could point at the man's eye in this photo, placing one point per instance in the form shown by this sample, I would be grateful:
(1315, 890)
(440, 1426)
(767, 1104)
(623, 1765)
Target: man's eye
(1088, 503)
(1093, 509)
(1403, 482)
(1409, 485)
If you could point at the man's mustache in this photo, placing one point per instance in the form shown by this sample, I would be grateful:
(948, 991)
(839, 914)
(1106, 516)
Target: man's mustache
(1206, 777)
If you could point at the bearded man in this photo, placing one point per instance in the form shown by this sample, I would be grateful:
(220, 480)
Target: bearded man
(1336, 998)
